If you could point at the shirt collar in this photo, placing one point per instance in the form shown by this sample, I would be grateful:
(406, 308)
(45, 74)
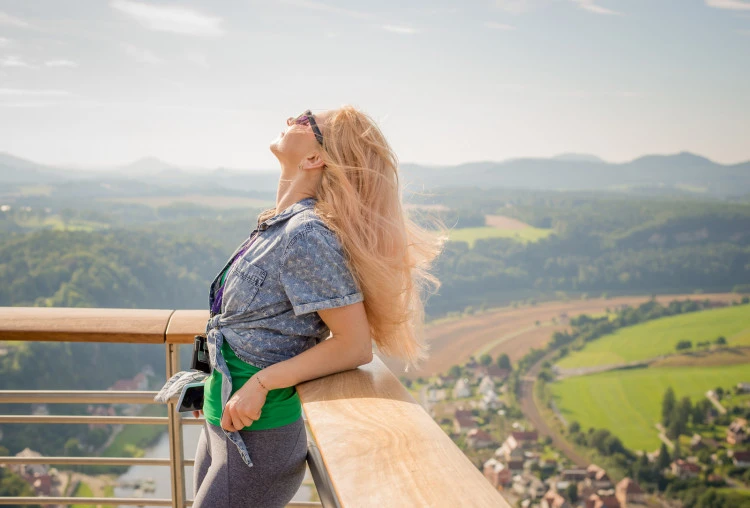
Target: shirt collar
(296, 208)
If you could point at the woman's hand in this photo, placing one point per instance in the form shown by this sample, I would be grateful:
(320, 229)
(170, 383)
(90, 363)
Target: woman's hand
(243, 408)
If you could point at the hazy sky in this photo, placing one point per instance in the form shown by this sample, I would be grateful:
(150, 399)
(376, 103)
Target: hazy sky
(211, 83)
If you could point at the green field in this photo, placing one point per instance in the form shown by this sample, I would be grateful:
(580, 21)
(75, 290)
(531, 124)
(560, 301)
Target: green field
(471, 235)
(659, 337)
(55, 222)
(83, 490)
(218, 202)
(628, 402)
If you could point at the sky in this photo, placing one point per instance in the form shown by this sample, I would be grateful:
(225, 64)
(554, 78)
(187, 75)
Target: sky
(210, 83)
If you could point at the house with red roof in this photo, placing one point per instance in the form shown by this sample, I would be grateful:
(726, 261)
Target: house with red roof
(477, 438)
(741, 459)
(684, 469)
(628, 492)
(497, 473)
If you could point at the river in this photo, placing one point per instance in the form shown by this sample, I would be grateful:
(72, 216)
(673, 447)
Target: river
(160, 474)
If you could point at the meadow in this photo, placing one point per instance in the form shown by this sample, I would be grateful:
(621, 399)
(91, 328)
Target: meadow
(659, 337)
(219, 202)
(628, 402)
(471, 235)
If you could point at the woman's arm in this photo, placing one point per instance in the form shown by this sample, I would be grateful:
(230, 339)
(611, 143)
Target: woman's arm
(348, 348)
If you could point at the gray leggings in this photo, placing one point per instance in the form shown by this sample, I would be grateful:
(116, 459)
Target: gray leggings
(223, 480)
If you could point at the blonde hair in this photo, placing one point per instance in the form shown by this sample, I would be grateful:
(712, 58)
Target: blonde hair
(389, 255)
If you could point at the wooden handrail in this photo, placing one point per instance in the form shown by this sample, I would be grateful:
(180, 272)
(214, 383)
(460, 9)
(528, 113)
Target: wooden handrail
(184, 325)
(379, 447)
(56, 324)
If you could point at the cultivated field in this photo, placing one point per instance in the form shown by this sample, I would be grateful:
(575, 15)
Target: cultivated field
(220, 202)
(659, 337)
(628, 402)
(471, 235)
(503, 222)
(512, 330)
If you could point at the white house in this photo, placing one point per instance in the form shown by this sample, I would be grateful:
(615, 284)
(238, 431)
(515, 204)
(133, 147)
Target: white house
(462, 389)
(486, 385)
(490, 402)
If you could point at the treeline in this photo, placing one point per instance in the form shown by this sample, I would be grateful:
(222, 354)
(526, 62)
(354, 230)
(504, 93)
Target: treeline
(496, 270)
(67, 366)
(116, 268)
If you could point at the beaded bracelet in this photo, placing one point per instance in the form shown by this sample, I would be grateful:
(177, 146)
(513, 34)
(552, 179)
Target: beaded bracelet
(261, 384)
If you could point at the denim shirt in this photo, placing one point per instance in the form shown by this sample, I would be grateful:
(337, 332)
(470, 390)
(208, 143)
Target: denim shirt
(293, 267)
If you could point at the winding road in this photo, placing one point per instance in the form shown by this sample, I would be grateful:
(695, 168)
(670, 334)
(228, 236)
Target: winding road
(532, 413)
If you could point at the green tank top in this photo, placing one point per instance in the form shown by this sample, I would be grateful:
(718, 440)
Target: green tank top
(282, 406)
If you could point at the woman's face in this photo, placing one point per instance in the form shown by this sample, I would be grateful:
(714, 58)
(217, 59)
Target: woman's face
(298, 140)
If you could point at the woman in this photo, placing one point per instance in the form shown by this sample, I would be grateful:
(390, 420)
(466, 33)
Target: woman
(337, 257)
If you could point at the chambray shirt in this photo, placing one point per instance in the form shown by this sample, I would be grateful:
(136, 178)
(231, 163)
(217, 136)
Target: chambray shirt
(291, 266)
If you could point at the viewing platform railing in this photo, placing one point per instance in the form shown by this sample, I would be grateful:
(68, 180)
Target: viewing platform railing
(369, 442)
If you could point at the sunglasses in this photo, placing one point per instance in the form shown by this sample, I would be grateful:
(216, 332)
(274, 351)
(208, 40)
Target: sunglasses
(306, 119)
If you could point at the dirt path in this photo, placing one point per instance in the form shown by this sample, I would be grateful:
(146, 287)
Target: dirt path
(663, 436)
(721, 409)
(532, 413)
(513, 330)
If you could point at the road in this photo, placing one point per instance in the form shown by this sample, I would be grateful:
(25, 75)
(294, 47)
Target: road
(532, 413)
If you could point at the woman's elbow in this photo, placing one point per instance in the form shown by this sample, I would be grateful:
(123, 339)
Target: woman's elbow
(364, 355)
(365, 358)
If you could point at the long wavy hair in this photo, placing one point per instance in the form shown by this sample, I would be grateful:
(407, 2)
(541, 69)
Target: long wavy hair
(359, 199)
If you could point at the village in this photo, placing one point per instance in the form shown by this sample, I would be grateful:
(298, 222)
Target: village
(473, 405)
(57, 482)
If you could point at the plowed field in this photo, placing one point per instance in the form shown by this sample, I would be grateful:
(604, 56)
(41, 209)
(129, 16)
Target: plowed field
(513, 330)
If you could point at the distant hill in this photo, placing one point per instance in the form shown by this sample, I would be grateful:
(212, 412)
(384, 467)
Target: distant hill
(579, 157)
(685, 173)
(14, 169)
(148, 165)
(679, 174)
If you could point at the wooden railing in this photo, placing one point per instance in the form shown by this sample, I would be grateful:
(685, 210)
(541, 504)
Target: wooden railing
(369, 442)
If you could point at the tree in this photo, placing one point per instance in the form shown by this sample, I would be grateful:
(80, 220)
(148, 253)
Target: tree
(720, 341)
(485, 360)
(455, 371)
(503, 361)
(572, 493)
(574, 427)
(684, 344)
(667, 406)
(684, 409)
(699, 411)
(663, 460)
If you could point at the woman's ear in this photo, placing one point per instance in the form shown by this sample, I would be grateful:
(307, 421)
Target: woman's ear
(313, 161)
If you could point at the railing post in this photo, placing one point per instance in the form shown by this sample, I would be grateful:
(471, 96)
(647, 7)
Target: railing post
(177, 468)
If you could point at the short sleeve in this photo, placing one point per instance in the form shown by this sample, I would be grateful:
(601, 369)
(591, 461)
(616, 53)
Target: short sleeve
(315, 274)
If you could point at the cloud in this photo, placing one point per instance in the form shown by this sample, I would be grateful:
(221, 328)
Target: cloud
(499, 26)
(399, 29)
(5, 43)
(332, 9)
(60, 63)
(141, 55)
(7, 19)
(15, 61)
(24, 92)
(735, 5)
(591, 6)
(517, 6)
(170, 18)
